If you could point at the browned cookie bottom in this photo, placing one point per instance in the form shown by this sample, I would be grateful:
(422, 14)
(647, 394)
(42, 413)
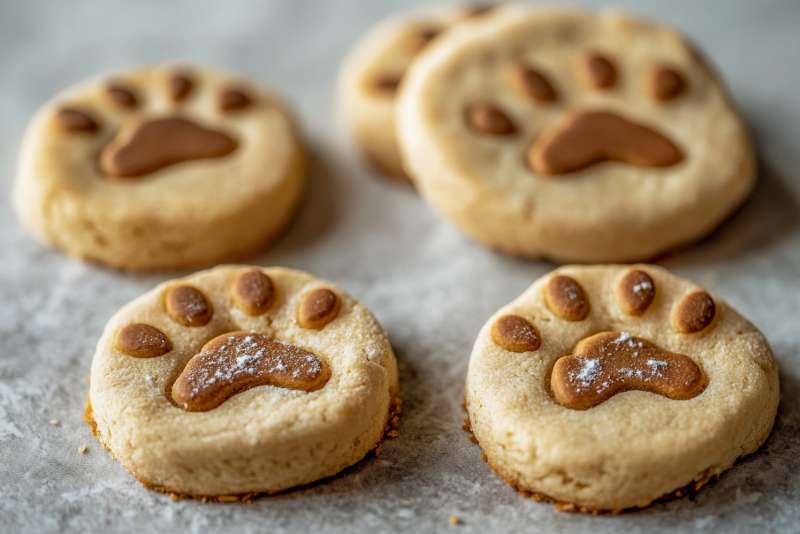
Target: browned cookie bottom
(390, 431)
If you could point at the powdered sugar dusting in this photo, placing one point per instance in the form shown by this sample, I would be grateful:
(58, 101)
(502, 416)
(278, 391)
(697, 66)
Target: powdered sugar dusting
(627, 340)
(622, 338)
(656, 366)
(653, 368)
(248, 358)
(642, 287)
(194, 306)
(571, 293)
(586, 374)
(592, 373)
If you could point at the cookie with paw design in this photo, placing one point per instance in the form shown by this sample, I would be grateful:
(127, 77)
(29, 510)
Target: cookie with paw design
(604, 388)
(241, 380)
(573, 135)
(160, 168)
(371, 76)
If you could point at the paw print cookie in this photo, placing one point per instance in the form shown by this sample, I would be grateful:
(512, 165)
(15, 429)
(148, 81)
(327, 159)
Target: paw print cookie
(160, 168)
(371, 77)
(241, 380)
(573, 135)
(605, 388)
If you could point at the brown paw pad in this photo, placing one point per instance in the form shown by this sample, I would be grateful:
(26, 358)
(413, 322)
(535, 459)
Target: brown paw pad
(318, 308)
(586, 138)
(693, 313)
(144, 144)
(142, 341)
(488, 119)
(76, 120)
(532, 83)
(233, 99)
(419, 38)
(665, 83)
(635, 292)
(565, 297)
(608, 363)
(159, 143)
(478, 10)
(254, 292)
(581, 138)
(188, 306)
(180, 85)
(424, 36)
(515, 334)
(121, 95)
(387, 83)
(598, 70)
(238, 361)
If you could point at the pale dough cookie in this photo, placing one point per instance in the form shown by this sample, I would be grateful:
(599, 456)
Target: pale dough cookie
(606, 387)
(373, 71)
(241, 380)
(573, 135)
(159, 168)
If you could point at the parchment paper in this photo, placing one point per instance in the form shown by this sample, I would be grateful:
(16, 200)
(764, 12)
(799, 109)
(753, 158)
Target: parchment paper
(430, 287)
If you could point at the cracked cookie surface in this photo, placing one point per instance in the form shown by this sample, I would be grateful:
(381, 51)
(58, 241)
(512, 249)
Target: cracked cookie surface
(620, 404)
(160, 167)
(213, 385)
(573, 135)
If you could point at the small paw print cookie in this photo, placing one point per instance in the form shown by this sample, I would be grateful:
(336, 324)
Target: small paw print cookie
(241, 380)
(371, 76)
(160, 168)
(573, 135)
(604, 388)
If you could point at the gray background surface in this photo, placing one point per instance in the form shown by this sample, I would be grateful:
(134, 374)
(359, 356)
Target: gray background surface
(430, 287)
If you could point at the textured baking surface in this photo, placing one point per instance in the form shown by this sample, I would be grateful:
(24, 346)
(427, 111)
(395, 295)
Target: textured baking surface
(431, 288)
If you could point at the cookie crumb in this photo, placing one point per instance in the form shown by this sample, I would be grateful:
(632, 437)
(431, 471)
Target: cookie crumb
(455, 520)
(55, 422)
(83, 449)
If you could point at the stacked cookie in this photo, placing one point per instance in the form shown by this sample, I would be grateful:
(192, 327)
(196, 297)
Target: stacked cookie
(568, 134)
(577, 136)
(374, 71)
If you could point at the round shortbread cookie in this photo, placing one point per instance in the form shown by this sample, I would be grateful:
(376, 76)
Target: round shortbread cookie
(241, 380)
(573, 135)
(606, 387)
(160, 168)
(373, 71)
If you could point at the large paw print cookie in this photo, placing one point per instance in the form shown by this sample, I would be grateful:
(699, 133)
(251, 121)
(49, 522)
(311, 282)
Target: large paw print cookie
(372, 73)
(160, 168)
(241, 380)
(573, 135)
(604, 388)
